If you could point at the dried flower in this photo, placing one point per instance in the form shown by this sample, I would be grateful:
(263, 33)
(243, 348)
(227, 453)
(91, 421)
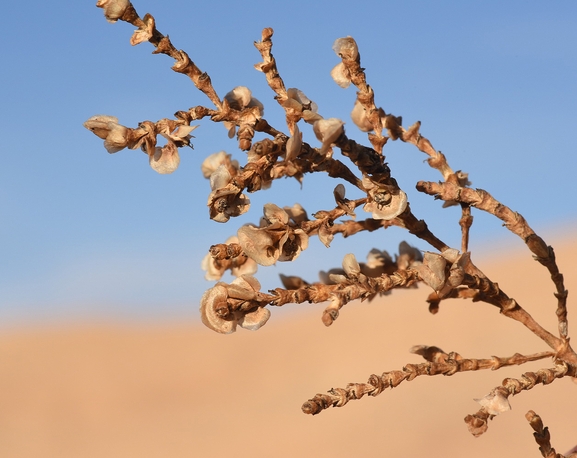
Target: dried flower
(275, 240)
(240, 265)
(113, 9)
(116, 137)
(382, 203)
(212, 162)
(432, 270)
(328, 131)
(239, 99)
(180, 136)
(216, 312)
(495, 402)
(144, 32)
(226, 199)
(346, 48)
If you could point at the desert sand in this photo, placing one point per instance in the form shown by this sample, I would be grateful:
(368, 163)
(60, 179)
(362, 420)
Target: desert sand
(177, 389)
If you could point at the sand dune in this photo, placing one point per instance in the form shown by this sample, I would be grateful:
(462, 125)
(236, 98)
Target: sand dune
(180, 390)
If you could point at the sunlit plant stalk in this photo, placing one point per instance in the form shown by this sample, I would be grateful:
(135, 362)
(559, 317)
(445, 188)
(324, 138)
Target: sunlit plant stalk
(283, 233)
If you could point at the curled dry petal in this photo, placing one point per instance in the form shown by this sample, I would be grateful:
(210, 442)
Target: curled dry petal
(351, 265)
(299, 96)
(328, 131)
(342, 202)
(275, 215)
(294, 144)
(181, 135)
(432, 270)
(113, 9)
(254, 320)
(341, 75)
(360, 118)
(458, 269)
(296, 213)
(297, 240)
(346, 48)
(326, 236)
(495, 402)
(241, 97)
(259, 245)
(220, 178)
(212, 162)
(165, 160)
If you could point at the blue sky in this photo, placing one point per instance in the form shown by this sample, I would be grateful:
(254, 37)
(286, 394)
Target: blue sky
(85, 233)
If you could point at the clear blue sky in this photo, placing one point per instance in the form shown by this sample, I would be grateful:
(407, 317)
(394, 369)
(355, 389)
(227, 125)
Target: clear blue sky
(85, 233)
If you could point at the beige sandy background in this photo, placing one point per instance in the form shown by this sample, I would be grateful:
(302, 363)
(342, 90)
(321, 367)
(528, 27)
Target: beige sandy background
(179, 390)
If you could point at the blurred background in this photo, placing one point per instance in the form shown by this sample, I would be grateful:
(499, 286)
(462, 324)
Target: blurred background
(97, 248)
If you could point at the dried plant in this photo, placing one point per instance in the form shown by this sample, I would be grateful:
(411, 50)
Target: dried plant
(283, 233)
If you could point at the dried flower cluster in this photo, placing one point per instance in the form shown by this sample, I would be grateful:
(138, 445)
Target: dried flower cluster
(283, 233)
